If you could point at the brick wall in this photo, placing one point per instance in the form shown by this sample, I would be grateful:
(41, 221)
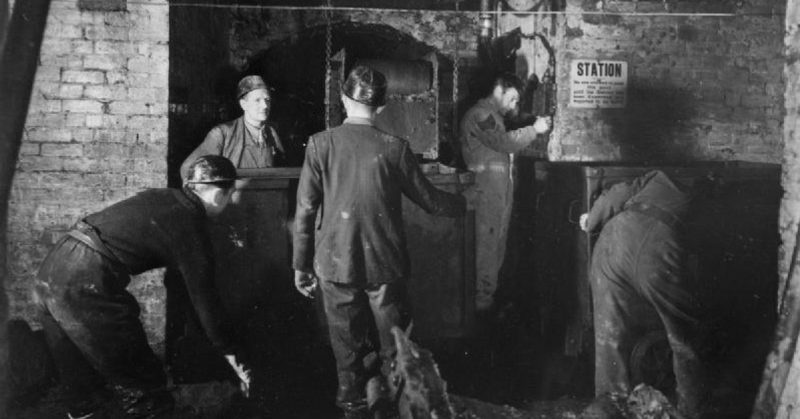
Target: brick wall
(96, 133)
(705, 80)
(254, 31)
(704, 77)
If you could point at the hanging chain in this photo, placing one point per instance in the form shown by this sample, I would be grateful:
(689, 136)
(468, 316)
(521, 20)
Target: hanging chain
(328, 71)
(456, 59)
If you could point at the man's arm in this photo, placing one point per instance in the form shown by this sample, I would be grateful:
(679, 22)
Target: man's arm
(309, 197)
(489, 130)
(418, 188)
(196, 263)
(613, 200)
(212, 144)
(193, 256)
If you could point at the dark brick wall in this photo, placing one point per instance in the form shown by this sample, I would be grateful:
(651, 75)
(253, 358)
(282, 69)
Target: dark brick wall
(705, 81)
(95, 134)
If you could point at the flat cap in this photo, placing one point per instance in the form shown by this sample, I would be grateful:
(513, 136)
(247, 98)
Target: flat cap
(248, 84)
(367, 86)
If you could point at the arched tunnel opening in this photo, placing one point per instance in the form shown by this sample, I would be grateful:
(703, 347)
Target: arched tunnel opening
(296, 69)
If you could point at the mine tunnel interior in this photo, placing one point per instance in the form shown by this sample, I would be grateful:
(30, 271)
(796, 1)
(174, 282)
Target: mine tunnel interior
(537, 347)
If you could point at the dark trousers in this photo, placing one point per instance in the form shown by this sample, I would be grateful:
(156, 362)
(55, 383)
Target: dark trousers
(638, 272)
(92, 326)
(353, 313)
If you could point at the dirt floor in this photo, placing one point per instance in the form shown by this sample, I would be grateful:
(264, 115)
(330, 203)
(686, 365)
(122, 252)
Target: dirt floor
(212, 401)
(503, 377)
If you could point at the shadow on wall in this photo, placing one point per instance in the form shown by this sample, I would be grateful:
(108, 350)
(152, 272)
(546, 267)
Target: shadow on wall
(653, 125)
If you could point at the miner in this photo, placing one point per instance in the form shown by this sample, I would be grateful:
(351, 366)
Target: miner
(349, 239)
(249, 141)
(639, 267)
(486, 146)
(91, 322)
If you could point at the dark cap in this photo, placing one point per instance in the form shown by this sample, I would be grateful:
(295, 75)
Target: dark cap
(248, 84)
(367, 86)
(212, 169)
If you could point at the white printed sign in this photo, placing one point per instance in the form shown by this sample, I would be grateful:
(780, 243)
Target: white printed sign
(598, 84)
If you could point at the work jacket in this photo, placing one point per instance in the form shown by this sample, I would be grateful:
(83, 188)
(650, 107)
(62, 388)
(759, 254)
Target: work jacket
(165, 227)
(355, 176)
(486, 148)
(235, 142)
(654, 193)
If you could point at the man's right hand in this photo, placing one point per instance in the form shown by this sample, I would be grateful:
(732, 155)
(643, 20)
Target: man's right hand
(306, 283)
(542, 124)
(583, 222)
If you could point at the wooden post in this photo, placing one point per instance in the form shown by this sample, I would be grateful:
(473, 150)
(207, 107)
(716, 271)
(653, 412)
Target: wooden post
(18, 63)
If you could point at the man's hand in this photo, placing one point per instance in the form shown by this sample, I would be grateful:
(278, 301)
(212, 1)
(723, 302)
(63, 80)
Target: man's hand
(542, 124)
(306, 283)
(583, 222)
(241, 372)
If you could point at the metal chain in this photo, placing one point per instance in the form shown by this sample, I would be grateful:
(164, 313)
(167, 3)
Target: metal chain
(328, 71)
(456, 59)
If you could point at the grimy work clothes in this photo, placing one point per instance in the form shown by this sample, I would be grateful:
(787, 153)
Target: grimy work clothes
(349, 231)
(486, 147)
(88, 314)
(638, 272)
(245, 146)
(350, 310)
(356, 176)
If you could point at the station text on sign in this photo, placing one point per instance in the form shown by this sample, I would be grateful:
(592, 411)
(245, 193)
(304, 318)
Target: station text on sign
(598, 84)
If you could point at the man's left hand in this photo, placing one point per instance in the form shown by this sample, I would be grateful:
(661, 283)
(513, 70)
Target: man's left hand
(306, 283)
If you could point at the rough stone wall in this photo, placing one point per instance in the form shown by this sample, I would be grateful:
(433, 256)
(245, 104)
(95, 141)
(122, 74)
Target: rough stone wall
(790, 208)
(705, 80)
(254, 31)
(96, 133)
(453, 35)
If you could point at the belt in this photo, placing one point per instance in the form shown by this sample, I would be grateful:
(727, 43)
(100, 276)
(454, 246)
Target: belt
(666, 217)
(86, 234)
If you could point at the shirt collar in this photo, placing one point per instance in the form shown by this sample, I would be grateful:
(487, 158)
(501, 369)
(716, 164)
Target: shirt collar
(491, 104)
(190, 200)
(358, 121)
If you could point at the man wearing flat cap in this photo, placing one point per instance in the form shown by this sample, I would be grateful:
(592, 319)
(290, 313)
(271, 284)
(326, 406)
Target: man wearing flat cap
(91, 322)
(355, 175)
(248, 141)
